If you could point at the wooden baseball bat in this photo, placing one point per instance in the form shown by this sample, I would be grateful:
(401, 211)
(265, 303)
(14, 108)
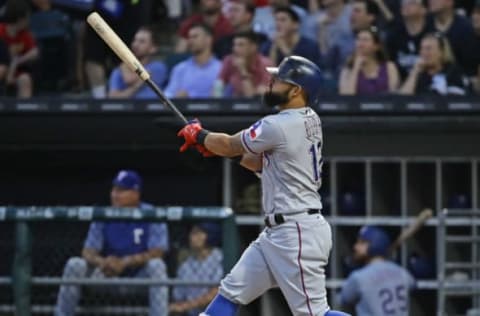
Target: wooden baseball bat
(411, 230)
(126, 55)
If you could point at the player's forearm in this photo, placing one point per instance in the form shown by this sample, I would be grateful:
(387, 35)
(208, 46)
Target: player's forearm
(92, 257)
(224, 145)
(142, 258)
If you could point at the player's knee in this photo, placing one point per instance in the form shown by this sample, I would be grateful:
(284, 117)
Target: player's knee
(75, 267)
(229, 289)
(336, 313)
(156, 268)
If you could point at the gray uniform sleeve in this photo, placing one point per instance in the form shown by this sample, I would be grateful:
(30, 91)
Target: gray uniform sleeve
(350, 291)
(264, 135)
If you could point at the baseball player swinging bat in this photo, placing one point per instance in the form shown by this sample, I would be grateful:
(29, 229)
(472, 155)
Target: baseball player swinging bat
(126, 55)
(408, 232)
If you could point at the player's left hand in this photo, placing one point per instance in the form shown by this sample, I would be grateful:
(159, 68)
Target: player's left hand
(114, 265)
(190, 133)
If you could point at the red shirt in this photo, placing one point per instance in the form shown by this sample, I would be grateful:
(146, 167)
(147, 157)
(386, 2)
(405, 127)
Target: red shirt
(19, 44)
(261, 3)
(221, 28)
(231, 77)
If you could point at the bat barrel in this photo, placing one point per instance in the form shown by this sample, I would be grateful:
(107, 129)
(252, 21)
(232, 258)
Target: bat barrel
(116, 44)
(125, 54)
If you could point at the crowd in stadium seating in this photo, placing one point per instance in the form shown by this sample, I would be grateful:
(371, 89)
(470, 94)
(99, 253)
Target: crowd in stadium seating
(220, 47)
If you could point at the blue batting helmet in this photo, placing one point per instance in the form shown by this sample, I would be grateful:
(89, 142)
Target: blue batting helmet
(378, 240)
(213, 231)
(301, 72)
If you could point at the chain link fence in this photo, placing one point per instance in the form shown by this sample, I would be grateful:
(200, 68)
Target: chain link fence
(55, 279)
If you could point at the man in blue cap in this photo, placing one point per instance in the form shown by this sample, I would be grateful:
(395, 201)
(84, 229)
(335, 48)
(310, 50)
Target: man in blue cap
(381, 287)
(120, 249)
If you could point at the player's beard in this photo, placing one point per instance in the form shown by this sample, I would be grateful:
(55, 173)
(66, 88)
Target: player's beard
(360, 258)
(272, 99)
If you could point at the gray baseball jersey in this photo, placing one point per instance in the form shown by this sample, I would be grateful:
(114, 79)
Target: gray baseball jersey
(291, 144)
(292, 255)
(380, 288)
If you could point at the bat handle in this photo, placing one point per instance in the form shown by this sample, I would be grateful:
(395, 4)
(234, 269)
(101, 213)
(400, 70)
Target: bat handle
(166, 101)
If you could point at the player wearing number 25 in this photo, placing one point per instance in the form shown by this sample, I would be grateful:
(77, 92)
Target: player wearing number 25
(120, 249)
(292, 252)
(381, 287)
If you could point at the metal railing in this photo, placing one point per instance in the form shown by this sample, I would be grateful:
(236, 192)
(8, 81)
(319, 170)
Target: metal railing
(22, 279)
(469, 284)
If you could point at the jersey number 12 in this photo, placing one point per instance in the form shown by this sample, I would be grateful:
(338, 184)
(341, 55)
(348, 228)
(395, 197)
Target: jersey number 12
(317, 161)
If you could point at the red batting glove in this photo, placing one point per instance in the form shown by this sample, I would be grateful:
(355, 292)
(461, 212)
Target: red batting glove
(190, 133)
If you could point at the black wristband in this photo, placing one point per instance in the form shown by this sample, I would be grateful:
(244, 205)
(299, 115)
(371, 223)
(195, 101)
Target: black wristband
(201, 136)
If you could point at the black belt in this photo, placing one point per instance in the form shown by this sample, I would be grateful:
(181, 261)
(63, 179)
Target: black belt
(280, 219)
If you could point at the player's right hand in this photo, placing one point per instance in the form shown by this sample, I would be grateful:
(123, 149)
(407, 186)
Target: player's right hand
(190, 133)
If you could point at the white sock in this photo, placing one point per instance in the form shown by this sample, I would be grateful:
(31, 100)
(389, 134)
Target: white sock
(99, 92)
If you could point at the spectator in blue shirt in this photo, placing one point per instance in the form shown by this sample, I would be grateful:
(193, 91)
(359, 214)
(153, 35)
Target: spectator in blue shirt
(194, 77)
(120, 249)
(288, 40)
(124, 83)
(204, 264)
(380, 287)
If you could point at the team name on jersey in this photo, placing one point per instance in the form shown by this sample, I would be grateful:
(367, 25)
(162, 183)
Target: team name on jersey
(313, 127)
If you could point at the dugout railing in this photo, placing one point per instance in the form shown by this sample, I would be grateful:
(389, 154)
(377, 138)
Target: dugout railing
(390, 192)
(458, 277)
(453, 226)
(23, 282)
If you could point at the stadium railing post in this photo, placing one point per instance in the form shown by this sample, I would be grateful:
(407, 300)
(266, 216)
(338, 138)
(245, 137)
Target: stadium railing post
(22, 269)
(230, 243)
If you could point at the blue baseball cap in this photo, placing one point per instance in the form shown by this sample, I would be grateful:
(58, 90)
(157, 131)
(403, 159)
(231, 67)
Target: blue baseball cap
(128, 179)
